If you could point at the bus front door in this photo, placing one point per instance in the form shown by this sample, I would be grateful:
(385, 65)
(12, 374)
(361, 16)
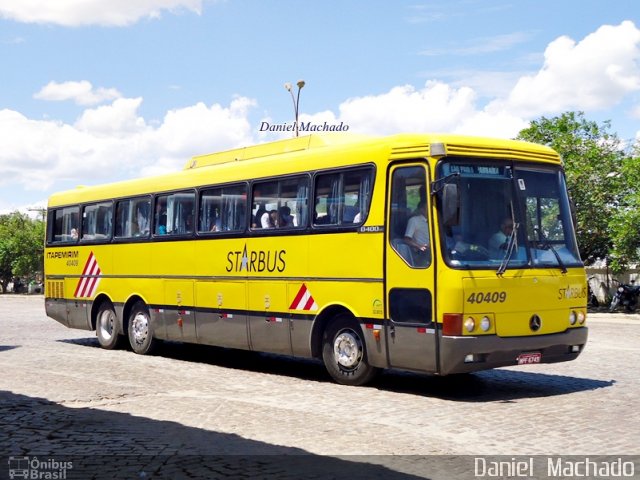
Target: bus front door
(410, 328)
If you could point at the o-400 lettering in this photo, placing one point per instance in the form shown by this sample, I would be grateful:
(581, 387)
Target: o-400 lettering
(487, 297)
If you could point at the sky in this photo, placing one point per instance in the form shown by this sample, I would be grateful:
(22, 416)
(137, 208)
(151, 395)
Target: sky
(94, 91)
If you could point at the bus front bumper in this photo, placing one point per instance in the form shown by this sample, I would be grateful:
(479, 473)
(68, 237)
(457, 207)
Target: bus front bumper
(469, 354)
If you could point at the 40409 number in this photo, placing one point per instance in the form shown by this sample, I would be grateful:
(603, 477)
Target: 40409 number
(487, 297)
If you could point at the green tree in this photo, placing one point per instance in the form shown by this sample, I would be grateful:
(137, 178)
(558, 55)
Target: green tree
(21, 247)
(625, 222)
(599, 181)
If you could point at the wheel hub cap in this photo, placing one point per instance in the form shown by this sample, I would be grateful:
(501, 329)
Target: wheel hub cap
(346, 349)
(106, 324)
(140, 327)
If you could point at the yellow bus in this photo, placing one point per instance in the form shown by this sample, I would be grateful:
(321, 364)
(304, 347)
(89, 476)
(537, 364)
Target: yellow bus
(431, 253)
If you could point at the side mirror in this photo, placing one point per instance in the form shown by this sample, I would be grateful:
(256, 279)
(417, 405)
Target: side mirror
(450, 205)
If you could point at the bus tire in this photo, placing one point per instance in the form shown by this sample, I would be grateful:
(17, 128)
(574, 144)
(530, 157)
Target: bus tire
(140, 330)
(344, 352)
(107, 327)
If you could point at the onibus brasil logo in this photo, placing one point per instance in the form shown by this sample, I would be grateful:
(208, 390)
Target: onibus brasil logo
(35, 468)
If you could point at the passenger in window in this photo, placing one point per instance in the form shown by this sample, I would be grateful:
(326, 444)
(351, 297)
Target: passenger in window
(188, 224)
(142, 220)
(269, 219)
(161, 219)
(285, 219)
(216, 224)
(350, 213)
(74, 234)
(417, 235)
(257, 219)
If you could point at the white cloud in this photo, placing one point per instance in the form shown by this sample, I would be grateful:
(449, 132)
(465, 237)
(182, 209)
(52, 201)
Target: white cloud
(114, 141)
(437, 107)
(82, 93)
(592, 74)
(199, 129)
(73, 13)
(117, 120)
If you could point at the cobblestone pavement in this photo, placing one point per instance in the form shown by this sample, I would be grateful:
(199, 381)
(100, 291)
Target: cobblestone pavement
(239, 414)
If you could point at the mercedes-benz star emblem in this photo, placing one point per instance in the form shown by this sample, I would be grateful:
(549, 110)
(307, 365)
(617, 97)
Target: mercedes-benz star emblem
(535, 322)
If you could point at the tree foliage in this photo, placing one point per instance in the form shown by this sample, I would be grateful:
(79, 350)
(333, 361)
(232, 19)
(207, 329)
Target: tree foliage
(625, 222)
(21, 247)
(602, 181)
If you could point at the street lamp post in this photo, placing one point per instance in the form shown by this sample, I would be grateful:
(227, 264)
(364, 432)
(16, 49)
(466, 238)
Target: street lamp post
(295, 100)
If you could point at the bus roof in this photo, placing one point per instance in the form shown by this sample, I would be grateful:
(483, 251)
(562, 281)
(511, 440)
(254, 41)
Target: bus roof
(283, 156)
(279, 147)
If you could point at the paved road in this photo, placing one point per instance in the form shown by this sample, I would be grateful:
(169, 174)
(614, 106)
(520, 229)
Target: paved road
(235, 414)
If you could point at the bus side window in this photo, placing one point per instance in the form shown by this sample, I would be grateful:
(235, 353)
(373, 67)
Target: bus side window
(222, 209)
(281, 204)
(175, 212)
(96, 222)
(265, 201)
(65, 223)
(409, 232)
(132, 218)
(342, 198)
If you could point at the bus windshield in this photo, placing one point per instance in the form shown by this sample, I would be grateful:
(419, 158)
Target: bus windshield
(512, 215)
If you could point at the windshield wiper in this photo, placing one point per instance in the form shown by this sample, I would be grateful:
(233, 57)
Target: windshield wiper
(511, 247)
(546, 245)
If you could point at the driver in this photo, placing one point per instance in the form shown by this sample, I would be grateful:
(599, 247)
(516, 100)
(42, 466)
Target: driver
(499, 241)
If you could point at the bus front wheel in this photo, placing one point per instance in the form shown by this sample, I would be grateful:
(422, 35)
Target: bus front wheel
(344, 352)
(107, 327)
(140, 330)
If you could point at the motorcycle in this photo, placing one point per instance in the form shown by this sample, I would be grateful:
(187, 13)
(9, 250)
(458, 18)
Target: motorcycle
(625, 296)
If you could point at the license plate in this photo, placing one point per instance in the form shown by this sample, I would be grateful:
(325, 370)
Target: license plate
(528, 358)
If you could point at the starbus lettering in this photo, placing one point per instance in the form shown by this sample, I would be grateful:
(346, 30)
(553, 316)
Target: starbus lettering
(256, 261)
(572, 292)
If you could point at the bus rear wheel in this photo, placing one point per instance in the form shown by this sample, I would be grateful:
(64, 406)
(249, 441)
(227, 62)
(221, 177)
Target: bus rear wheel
(107, 327)
(344, 352)
(140, 330)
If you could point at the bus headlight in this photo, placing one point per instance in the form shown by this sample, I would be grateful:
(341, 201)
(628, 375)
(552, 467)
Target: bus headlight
(572, 318)
(485, 324)
(469, 324)
(581, 317)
